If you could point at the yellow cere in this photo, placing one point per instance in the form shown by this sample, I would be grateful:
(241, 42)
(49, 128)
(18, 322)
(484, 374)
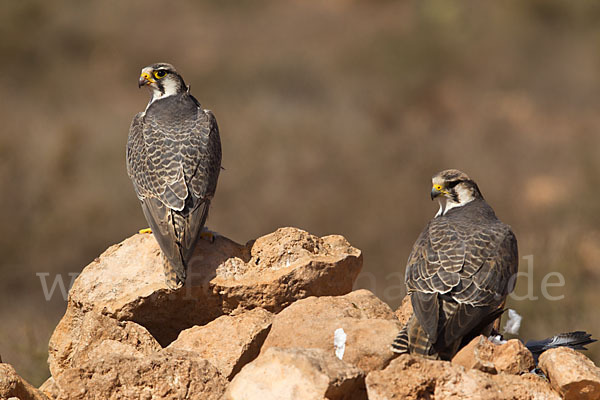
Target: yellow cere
(147, 76)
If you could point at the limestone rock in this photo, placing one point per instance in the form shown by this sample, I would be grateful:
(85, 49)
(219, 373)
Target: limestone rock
(13, 386)
(369, 323)
(413, 377)
(478, 354)
(120, 315)
(228, 342)
(79, 332)
(511, 357)
(405, 310)
(164, 375)
(297, 374)
(50, 388)
(572, 373)
(127, 282)
(523, 387)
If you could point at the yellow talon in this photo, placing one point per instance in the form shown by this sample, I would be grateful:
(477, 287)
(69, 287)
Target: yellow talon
(146, 230)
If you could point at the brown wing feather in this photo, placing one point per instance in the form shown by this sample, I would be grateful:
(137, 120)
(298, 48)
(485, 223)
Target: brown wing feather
(462, 267)
(174, 160)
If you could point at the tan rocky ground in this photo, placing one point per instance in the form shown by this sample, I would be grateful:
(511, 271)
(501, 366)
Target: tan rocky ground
(571, 373)
(126, 282)
(410, 377)
(369, 324)
(258, 322)
(297, 373)
(228, 342)
(12, 385)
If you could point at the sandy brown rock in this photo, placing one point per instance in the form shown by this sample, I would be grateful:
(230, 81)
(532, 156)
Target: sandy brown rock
(572, 373)
(405, 310)
(478, 354)
(163, 375)
(79, 332)
(521, 387)
(287, 265)
(228, 342)
(127, 282)
(411, 377)
(50, 388)
(369, 323)
(12, 385)
(511, 357)
(297, 374)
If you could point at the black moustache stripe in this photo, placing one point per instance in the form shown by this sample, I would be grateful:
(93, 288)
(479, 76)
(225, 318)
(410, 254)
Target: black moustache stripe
(454, 196)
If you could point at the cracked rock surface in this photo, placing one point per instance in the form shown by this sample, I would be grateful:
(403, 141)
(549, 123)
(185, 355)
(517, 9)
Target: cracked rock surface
(257, 322)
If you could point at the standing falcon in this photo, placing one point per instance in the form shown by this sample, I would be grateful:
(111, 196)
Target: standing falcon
(173, 160)
(459, 272)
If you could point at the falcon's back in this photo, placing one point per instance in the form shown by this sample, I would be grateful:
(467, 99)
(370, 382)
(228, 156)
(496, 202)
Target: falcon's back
(461, 268)
(173, 160)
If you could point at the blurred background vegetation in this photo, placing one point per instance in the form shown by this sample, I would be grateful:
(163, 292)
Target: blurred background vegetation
(333, 116)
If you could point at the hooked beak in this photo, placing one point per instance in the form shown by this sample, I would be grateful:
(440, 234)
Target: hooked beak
(435, 193)
(145, 79)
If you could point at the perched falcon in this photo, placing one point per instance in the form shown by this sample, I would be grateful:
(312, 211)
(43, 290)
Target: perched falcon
(173, 160)
(460, 270)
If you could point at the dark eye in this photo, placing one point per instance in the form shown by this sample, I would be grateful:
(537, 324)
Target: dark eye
(160, 73)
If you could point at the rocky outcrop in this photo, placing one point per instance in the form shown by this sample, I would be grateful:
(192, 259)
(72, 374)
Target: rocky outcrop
(272, 319)
(127, 282)
(405, 310)
(511, 357)
(411, 377)
(119, 374)
(79, 333)
(368, 323)
(13, 386)
(571, 373)
(50, 388)
(112, 341)
(296, 374)
(228, 342)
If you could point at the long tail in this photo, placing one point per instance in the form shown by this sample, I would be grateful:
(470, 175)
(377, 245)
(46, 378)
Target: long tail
(175, 272)
(400, 344)
(414, 340)
(575, 340)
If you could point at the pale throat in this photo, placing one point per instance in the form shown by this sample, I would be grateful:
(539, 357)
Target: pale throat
(171, 88)
(446, 204)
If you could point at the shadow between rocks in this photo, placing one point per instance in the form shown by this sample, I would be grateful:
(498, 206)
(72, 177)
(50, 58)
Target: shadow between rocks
(165, 313)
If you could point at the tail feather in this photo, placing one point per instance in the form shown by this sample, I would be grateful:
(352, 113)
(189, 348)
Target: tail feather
(575, 340)
(174, 274)
(418, 340)
(414, 340)
(400, 344)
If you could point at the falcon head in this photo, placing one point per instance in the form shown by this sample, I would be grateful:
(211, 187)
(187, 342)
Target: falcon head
(453, 188)
(162, 79)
